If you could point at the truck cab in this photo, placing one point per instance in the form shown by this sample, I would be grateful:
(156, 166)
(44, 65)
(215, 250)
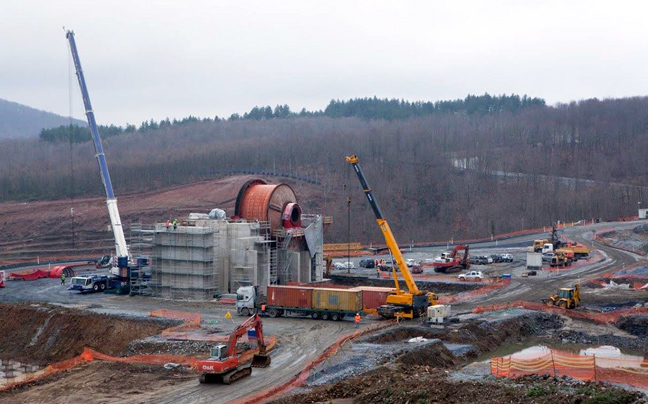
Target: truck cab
(547, 248)
(247, 300)
(92, 283)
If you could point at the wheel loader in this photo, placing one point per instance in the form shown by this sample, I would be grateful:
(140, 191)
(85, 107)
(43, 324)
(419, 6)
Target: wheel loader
(567, 298)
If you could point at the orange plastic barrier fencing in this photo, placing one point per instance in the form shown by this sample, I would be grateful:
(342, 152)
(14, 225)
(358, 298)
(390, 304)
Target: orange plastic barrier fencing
(89, 355)
(193, 318)
(604, 318)
(559, 363)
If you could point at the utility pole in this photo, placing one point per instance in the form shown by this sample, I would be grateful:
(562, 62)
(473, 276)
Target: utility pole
(349, 234)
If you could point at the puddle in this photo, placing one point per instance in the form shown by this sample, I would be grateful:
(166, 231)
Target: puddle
(14, 371)
(609, 357)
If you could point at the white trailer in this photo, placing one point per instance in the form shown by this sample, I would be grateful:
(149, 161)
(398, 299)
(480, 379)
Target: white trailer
(534, 260)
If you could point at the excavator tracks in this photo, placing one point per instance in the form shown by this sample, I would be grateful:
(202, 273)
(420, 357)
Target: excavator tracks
(237, 374)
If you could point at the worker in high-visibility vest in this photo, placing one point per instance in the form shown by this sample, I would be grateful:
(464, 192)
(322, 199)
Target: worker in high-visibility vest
(357, 320)
(263, 307)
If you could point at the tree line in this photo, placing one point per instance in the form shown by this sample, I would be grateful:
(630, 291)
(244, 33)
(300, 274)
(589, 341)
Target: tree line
(367, 108)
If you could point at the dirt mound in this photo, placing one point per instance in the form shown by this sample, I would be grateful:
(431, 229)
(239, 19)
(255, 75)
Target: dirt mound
(420, 384)
(485, 334)
(432, 354)
(41, 334)
(635, 325)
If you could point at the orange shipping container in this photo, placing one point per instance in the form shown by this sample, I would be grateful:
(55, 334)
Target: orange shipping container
(290, 296)
(337, 299)
(373, 296)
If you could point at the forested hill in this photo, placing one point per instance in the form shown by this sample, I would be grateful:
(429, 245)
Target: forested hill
(519, 164)
(367, 108)
(19, 121)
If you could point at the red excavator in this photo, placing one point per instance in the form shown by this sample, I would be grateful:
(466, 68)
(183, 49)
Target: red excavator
(223, 365)
(450, 261)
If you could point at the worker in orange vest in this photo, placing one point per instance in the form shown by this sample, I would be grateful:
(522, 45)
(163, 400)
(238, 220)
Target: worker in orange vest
(263, 310)
(357, 320)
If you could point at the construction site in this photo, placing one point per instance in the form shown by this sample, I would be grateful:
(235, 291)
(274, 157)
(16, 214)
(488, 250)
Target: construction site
(246, 302)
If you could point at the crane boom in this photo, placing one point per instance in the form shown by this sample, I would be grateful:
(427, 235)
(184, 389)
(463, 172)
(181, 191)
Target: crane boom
(384, 227)
(120, 241)
(398, 303)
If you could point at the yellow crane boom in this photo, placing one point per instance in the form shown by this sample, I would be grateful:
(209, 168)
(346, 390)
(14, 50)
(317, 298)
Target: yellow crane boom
(399, 303)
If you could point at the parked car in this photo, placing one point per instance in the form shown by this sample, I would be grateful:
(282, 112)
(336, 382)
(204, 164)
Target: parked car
(410, 262)
(480, 260)
(507, 258)
(546, 257)
(344, 265)
(472, 275)
(496, 257)
(367, 263)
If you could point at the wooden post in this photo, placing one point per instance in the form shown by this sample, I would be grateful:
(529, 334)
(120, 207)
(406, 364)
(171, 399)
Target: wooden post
(594, 357)
(553, 362)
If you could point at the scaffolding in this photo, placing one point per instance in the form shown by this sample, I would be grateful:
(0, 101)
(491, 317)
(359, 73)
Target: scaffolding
(184, 262)
(142, 239)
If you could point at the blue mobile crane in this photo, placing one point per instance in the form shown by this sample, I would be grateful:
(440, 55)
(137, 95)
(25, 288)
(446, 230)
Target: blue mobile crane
(120, 270)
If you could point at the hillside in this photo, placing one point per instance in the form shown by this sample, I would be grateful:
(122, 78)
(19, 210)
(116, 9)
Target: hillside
(46, 228)
(19, 121)
(438, 177)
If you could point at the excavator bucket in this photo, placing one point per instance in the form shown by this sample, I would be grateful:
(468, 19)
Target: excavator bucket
(260, 361)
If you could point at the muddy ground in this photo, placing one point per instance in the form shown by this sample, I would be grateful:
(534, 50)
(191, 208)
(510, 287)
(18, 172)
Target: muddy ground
(381, 366)
(423, 371)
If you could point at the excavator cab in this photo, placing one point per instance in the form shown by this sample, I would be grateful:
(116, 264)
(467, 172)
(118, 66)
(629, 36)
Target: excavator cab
(218, 352)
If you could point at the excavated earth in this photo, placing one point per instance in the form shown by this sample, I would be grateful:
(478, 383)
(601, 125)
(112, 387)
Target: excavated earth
(41, 334)
(422, 374)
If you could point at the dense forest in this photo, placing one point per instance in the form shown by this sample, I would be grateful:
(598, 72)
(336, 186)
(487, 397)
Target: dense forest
(369, 108)
(458, 173)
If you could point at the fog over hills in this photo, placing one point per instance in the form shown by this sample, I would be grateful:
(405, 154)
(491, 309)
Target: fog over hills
(20, 121)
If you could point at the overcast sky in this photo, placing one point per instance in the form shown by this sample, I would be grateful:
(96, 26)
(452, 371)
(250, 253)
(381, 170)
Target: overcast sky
(158, 59)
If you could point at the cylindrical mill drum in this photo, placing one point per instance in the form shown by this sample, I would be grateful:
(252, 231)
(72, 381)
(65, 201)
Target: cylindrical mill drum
(260, 201)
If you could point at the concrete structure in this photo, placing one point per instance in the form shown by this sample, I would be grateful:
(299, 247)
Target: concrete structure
(202, 258)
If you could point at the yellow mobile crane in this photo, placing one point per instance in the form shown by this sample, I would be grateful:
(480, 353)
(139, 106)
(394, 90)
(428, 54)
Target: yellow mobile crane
(400, 303)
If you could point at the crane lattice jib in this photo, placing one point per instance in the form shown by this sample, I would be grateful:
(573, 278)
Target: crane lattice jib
(115, 220)
(384, 227)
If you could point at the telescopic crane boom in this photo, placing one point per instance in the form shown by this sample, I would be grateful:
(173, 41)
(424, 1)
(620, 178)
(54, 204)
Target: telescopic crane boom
(399, 303)
(121, 249)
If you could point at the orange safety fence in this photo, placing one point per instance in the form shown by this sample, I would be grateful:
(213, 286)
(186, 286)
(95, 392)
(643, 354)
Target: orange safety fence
(299, 379)
(583, 367)
(89, 355)
(598, 317)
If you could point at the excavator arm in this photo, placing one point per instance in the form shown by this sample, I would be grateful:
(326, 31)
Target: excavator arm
(252, 322)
